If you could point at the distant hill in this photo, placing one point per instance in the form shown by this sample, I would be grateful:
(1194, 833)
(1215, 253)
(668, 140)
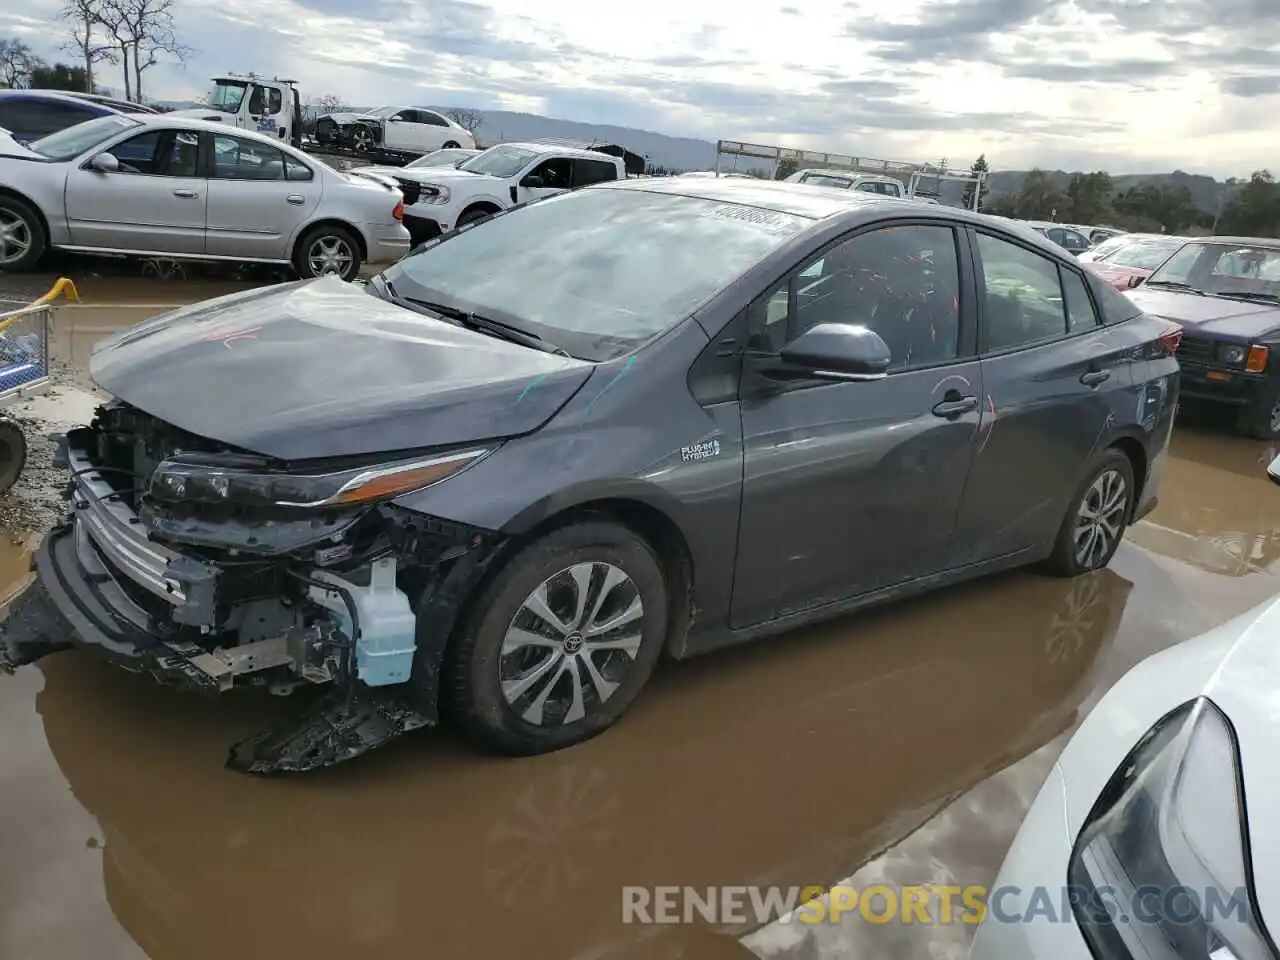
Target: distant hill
(687, 153)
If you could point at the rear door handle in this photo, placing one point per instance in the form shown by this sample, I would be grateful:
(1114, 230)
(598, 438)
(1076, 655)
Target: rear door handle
(186, 194)
(955, 406)
(1091, 378)
(296, 198)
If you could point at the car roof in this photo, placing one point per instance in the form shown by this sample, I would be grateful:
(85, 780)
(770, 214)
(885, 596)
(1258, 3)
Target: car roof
(59, 95)
(559, 148)
(1264, 243)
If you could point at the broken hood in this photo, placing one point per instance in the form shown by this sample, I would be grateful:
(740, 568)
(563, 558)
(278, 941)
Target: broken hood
(1215, 316)
(322, 368)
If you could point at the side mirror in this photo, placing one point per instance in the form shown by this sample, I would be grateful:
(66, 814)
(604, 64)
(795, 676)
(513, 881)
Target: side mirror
(838, 351)
(105, 163)
(533, 180)
(1273, 471)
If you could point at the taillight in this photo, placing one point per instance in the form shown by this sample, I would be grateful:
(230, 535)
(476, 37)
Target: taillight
(398, 212)
(1171, 338)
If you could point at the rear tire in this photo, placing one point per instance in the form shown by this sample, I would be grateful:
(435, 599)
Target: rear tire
(1096, 518)
(22, 236)
(13, 453)
(521, 682)
(327, 250)
(1261, 418)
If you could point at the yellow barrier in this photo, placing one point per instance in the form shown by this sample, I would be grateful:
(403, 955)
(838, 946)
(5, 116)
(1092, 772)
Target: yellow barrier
(64, 285)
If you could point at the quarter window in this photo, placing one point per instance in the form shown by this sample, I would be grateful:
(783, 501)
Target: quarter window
(1023, 302)
(902, 282)
(1080, 313)
(587, 172)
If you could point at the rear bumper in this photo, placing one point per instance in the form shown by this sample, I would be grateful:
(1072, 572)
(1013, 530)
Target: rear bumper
(386, 243)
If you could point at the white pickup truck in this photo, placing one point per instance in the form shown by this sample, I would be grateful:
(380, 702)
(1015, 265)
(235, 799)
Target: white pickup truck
(440, 199)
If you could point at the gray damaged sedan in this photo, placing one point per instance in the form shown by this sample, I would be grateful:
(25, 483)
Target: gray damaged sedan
(682, 414)
(163, 186)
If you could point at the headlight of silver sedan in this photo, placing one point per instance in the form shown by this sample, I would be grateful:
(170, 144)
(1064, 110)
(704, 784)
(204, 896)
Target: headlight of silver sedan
(1161, 868)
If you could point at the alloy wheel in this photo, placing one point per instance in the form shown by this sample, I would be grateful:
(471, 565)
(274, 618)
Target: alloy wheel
(361, 138)
(15, 237)
(570, 644)
(1274, 419)
(330, 256)
(1100, 519)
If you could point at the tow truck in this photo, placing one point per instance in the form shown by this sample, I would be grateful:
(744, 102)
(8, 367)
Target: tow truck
(249, 101)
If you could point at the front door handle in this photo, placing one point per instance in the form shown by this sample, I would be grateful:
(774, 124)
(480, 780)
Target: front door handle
(186, 194)
(955, 405)
(1091, 378)
(296, 199)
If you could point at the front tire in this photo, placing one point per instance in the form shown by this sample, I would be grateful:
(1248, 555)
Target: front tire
(327, 251)
(13, 453)
(559, 644)
(1260, 419)
(1096, 519)
(22, 236)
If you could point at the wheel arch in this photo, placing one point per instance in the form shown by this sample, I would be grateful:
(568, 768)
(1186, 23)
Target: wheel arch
(483, 204)
(351, 228)
(1135, 450)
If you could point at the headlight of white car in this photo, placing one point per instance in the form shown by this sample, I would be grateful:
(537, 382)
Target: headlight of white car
(1166, 842)
(433, 193)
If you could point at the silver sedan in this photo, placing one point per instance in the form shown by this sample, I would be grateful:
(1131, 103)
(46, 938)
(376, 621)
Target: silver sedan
(158, 186)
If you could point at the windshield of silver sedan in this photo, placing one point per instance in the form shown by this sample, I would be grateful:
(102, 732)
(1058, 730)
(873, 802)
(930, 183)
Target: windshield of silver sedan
(83, 137)
(1241, 269)
(597, 272)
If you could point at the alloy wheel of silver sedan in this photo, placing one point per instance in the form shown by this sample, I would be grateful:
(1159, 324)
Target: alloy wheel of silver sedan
(569, 645)
(330, 255)
(1100, 519)
(15, 237)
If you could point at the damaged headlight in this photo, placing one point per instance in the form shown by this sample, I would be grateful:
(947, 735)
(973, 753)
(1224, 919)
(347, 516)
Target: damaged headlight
(191, 481)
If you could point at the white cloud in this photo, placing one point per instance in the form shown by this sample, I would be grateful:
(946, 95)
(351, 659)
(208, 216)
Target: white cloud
(1058, 83)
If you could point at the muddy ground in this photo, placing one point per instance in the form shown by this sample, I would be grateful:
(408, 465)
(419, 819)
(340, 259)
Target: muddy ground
(901, 745)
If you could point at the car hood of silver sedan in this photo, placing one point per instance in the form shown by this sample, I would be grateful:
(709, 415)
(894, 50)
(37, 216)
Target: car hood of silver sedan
(323, 369)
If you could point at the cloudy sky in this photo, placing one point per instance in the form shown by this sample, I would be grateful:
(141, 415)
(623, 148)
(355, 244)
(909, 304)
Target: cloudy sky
(1130, 85)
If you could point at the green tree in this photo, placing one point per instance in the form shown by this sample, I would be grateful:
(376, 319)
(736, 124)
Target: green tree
(60, 76)
(1039, 198)
(979, 166)
(1001, 205)
(1088, 197)
(786, 167)
(1254, 211)
(1159, 208)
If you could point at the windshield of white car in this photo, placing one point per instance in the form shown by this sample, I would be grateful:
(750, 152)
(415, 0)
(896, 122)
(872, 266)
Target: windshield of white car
(500, 161)
(74, 141)
(441, 158)
(822, 180)
(598, 271)
(1144, 254)
(226, 95)
(1233, 269)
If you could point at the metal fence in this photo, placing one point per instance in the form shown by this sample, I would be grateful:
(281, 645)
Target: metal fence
(24, 351)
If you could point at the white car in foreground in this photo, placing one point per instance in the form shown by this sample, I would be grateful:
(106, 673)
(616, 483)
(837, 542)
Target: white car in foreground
(1157, 833)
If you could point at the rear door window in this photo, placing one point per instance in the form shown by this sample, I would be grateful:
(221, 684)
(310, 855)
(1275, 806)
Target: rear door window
(587, 172)
(1023, 303)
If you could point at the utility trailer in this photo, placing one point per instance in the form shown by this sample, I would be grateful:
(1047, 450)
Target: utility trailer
(916, 178)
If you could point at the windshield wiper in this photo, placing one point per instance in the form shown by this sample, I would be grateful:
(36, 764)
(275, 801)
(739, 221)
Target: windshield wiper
(1175, 284)
(1249, 295)
(467, 318)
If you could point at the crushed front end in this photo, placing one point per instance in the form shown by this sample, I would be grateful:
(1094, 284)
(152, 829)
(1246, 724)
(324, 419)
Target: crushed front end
(212, 568)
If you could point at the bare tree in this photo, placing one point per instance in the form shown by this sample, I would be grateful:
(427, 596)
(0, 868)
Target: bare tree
(84, 18)
(16, 63)
(144, 32)
(326, 103)
(468, 120)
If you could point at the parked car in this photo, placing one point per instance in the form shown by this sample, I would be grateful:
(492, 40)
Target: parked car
(29, 115)
(1129, 264)
(1098, 235)
(1064, 236)
(1225, 292)
(523, 480)
(843, 180)
(440, 200)
(400, 130)
(162, 186)
(1106, 247)
(452, 157)
(1160, 815)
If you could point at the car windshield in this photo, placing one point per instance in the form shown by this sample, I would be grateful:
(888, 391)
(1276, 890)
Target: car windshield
(1223, 268)
(822, 180)
(226, 95)
(596, 272)
(74, 141)
(441, 158)
(1108, 247)
(1144, 256)
(500, 161)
